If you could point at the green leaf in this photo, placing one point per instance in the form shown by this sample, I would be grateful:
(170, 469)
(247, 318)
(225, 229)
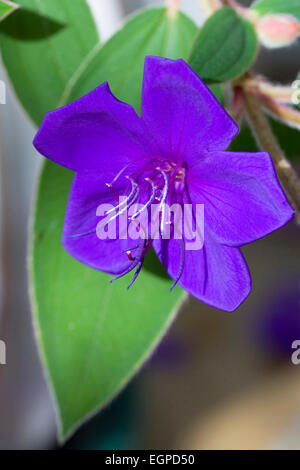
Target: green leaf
(95, 335)
(121, 60)
(218, 91)
(6, 8)
(265, 7)
(43, 43)
(225, 47)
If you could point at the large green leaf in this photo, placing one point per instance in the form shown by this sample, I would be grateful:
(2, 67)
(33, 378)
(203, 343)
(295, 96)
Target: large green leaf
(93, 335)
(43, 43)
(225, 47)
(6, 8)
(265, 7)
(121, 60)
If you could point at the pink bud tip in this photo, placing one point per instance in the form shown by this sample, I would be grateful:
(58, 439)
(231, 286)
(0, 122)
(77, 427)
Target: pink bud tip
(278, 30)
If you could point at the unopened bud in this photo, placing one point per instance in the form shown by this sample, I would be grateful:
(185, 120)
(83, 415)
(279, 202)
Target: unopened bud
(278, 30)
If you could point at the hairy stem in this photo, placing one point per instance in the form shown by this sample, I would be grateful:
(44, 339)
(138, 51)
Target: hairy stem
(281, 111)
(238, 105)
(268, 142)
(281, 93)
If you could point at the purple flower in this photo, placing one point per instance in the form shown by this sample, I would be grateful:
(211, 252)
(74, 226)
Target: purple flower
(173, 153)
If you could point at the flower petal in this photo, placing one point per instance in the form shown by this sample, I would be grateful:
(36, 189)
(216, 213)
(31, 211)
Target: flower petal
(242, 196)
(95, 132)
(217, 275)
(79, 238)
(181, 111)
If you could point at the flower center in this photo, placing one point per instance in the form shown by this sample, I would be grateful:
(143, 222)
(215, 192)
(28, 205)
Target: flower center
(155, 182)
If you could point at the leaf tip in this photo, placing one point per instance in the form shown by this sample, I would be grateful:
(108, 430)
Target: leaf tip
(11, 8)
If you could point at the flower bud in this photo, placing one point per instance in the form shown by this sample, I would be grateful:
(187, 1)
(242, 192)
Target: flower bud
(278, 30)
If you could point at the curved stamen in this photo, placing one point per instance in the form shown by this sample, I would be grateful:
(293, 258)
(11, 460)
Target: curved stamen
(137, 272)
(163, 198)
(121, 212)
(115, 192)
(124, 205)
(125, 201)
(133, 265)
(129, 255)
(146, 248)
(77, 235)
(119, 174)
(130, 249)
(148, 203)
(164, 179)
(142, 249)
(181, 268)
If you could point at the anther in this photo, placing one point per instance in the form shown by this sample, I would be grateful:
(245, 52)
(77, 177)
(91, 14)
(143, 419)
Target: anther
(130, 257)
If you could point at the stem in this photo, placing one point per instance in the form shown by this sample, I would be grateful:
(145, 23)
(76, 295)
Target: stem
(173, 7)
(281, 93)
(268, 142)
(238, 105)
(281, 111)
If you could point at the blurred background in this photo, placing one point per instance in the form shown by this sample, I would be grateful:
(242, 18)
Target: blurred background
(218, 380)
